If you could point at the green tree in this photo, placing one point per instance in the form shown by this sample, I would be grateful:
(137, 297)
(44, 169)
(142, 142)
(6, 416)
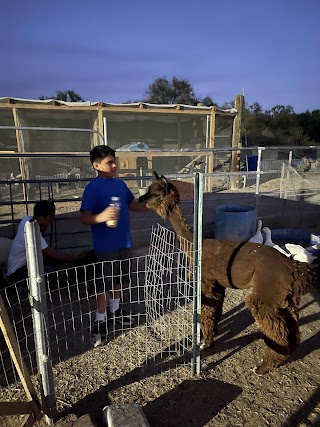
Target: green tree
(255, 109)
(67, 96)
(254, 123)
(278, 126)
(208, 102)
(163, 91)
(310, 124)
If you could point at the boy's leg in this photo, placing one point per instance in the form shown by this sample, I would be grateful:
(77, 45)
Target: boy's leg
(99, 330)
(109, 275)
(121, 269)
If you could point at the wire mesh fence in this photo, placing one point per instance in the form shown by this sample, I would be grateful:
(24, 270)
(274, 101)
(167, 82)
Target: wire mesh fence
(158, 299)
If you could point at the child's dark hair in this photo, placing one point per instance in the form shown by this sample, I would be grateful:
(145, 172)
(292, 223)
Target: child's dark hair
(43, 208)
(100, 152)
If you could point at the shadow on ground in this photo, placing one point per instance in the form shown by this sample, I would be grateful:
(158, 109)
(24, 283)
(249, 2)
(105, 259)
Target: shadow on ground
(193, 403)
(302, 415)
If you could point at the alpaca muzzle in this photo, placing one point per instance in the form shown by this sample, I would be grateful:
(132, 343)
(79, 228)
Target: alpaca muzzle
(144, 197)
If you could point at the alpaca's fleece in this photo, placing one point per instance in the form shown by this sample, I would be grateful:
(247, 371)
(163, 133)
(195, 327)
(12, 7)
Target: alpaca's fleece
(277, 283)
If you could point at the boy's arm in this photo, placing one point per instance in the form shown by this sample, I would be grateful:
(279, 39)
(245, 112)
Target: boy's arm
(88, 218)
(57, 256)
(135, 206)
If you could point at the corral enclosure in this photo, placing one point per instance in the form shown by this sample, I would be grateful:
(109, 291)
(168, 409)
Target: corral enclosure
(161, 127)
(41, 162)
(287, 195)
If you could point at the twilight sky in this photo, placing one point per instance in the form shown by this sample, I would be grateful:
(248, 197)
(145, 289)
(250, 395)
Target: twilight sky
(111, 51)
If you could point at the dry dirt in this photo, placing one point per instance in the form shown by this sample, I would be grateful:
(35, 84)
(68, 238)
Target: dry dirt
(227, 393)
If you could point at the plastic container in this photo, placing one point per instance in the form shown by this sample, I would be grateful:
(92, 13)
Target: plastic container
(235, 223)
(252, 162)
(292, 235)
(115, 202)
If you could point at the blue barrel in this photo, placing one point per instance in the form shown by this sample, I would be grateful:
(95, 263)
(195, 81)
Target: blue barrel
(235, 223)
(252, 162)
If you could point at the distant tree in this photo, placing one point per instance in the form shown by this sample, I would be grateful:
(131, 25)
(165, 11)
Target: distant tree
(227, 105)
(208, 102)
(162, 91)
(255, 108)
(310, 124)
(278, 126)
(254, 124)
(67, 96)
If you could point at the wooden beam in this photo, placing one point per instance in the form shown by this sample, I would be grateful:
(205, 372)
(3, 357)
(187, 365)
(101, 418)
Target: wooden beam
(211, 145)
(162, 154)
(118, 153)
(236, 142)
(118, 108)
(48, 107)
(15, 408)
(20, 148)
(22, 370)
(100, 120)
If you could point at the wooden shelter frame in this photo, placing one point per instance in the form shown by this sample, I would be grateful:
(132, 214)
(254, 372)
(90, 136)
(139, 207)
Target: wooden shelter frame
(138, 108)
(102, 109)
(31, 407)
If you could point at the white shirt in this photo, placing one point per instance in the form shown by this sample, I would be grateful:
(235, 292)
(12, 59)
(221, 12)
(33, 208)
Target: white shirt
(17, 256)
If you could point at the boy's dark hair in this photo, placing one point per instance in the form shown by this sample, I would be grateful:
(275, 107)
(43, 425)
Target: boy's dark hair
(100, 152)
(43, 208)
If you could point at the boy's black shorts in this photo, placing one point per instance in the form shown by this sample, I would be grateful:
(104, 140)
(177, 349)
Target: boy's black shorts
(112, 269)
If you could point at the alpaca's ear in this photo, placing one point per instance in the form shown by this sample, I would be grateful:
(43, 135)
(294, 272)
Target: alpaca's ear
(156, 175)
(165, 182)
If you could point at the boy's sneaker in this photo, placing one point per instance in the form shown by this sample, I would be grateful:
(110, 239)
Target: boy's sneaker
(120, 316)
(98, 333)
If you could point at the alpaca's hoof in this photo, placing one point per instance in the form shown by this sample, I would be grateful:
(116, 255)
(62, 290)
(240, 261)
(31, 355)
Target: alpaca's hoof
(205, 345)
(204, 367)
(261, 370)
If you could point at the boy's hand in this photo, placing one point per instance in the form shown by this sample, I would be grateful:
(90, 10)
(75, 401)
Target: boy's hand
(108, 214)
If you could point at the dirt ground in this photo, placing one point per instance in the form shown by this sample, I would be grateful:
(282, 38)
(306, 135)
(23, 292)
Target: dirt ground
(226, 394)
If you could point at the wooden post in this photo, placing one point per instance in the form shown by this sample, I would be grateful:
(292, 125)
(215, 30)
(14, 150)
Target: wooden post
(236, 142)
(100, 120)
(211, 145)
(95, 140)
(178, 142)
(30, 407)
(20, 148)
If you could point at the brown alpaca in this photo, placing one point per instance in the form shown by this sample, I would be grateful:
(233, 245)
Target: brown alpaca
(277, 282)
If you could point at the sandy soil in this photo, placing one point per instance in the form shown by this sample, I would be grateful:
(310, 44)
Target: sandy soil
(227, 393)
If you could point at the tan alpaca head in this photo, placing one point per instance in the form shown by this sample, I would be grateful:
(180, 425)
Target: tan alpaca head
(162, 196)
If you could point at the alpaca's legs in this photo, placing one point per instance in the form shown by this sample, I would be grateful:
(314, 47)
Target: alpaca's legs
(211, 311)
(271, 360)
(280, 330)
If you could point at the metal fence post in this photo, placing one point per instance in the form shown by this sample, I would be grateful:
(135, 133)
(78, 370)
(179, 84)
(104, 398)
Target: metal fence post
(197, 248)
(38, 302)
(259, 169)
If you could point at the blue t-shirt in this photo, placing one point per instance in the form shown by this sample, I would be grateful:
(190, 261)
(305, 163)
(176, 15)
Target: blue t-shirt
(96, 197)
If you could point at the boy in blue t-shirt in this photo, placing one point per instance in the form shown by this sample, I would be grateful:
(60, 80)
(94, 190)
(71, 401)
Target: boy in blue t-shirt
(110, 243)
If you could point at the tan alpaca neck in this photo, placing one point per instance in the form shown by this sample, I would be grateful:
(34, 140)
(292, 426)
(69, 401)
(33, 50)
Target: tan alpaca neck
(179, 224)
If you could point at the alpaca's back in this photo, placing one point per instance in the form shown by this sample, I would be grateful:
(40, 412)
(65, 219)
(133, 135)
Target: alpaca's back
(246, 265)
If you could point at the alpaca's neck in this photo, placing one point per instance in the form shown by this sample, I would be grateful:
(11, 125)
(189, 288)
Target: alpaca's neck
(180, 225)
